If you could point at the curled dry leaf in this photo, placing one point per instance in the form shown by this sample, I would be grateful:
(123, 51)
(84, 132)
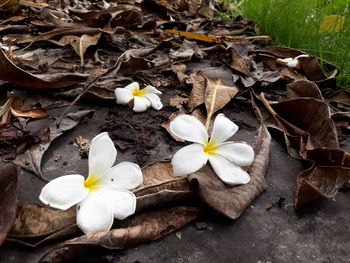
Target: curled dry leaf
(341, 97)
(9, 192)
(179, 102)
(303, 88)
(31, 159)
(197, 96)
(13, 107)
(214, 92)
(217, 95)
(307, 124)
(159, 176)
(240, 63)
(147, 228)
(160, 187)
(228, 201)
(80, 44)
(311, 135)
(342, 121)
(11, 73)
(329, 172)
(35, 225)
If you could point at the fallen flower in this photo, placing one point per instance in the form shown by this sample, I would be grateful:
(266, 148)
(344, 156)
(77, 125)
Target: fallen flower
(13, 107)
(292, 62)
(224, 156)
(141, 99)
(104, 195)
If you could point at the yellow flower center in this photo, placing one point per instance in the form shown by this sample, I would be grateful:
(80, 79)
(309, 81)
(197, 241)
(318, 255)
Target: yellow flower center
(139, 92)
(92, 182)
(210, 148)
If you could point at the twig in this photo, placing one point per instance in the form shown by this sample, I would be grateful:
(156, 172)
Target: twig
(267, 104)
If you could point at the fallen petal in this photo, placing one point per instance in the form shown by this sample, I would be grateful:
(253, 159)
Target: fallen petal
(239, 153)
(189, 159)
(223, 129)
(155, 101)
(132, 86)
(189, 128)
(228, 172)
(125, 175)
(123, 96)
(141, 104)
(94, 214)
(102, 155)
(151, 89)
(122, 202)
(64, 192)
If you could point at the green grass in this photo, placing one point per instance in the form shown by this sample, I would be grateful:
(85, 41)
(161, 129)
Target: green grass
(296, 24)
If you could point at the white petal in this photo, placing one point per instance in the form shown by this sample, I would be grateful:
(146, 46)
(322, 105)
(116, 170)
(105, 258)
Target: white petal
(125, 175)
(227, 171)
(141, 104)
(189, 159)
(94, 214)
(239, 153)
(155, 101)
(223, 129)
(285, 60)
(133, 86)
(124, 96)
(122, 202)
(189, 128)
(151, 89)
(64, 192)
(302, 56)
(102, 155)
(293, 64)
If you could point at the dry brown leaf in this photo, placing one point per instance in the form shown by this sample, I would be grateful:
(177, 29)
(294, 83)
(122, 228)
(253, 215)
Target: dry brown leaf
(342, 121)
(150, 227)
(341, 97)
(232, 201)
(179, 101)
(329, 172)
(290, 75)
(34, 221)
(240, 63)
(159, 176)
(9, 192)
(217, 95)
(180, 71)
(197, 96)
(303, 88)
(35, 113)
(79, 43)
(11, 73)
(13, 107)
(306, 123)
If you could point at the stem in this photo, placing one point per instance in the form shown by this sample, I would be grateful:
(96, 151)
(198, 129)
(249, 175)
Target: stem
(267, 104)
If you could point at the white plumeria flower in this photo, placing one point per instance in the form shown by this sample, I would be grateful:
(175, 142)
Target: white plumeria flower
(292, 62)
(225, 157)
(104, 195)
(142, 98)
